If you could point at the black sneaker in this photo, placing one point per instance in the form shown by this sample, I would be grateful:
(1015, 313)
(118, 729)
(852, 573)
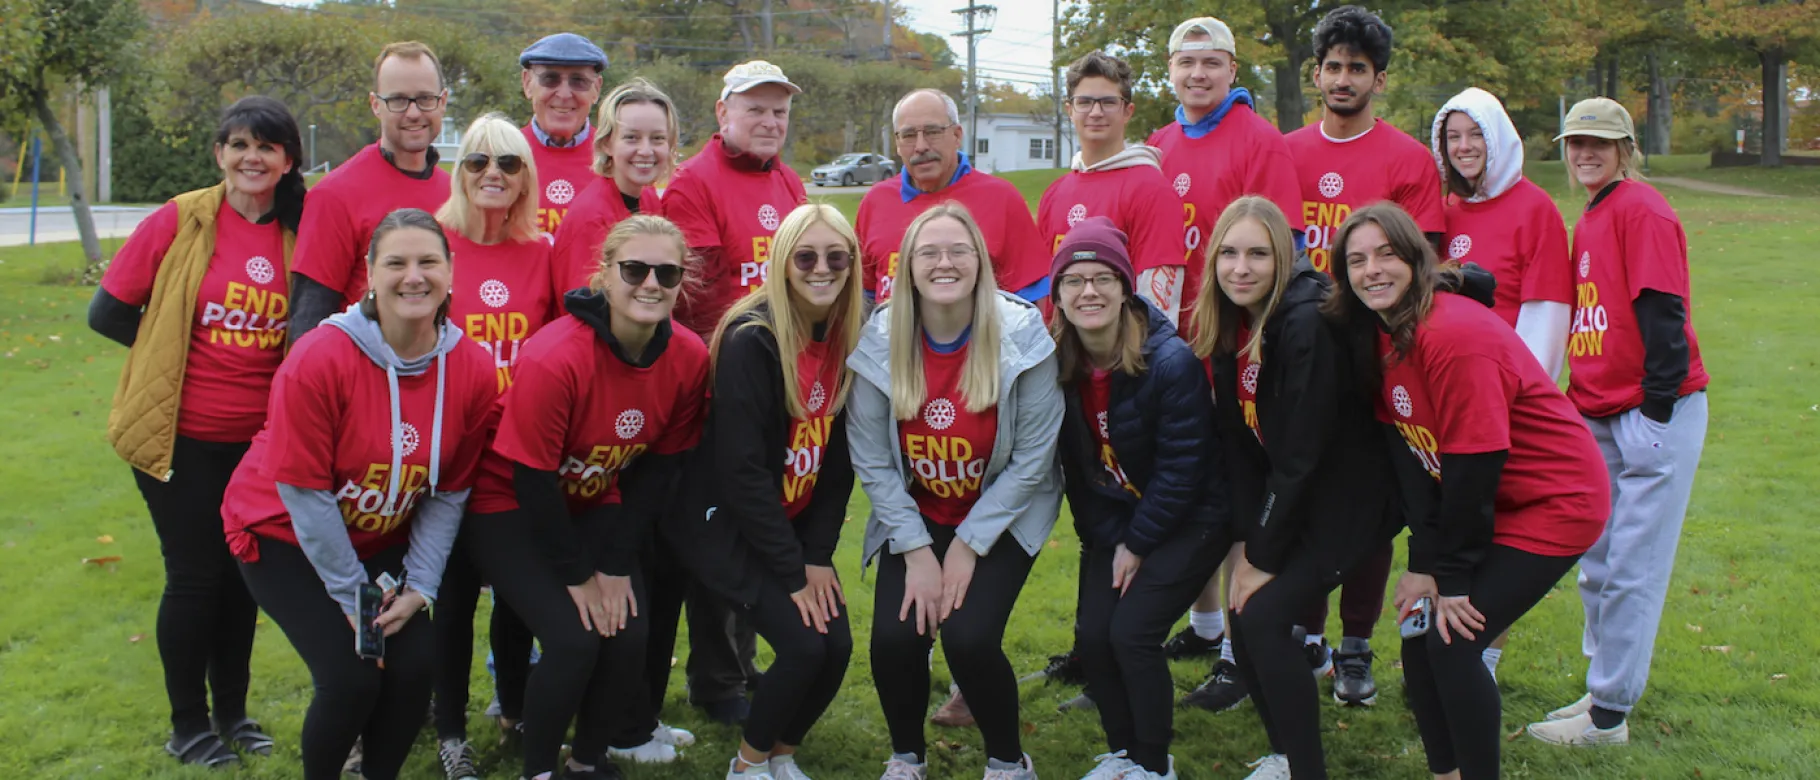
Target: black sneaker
(1320, 658)
(1222, 691)
(1065, 669)
(1352, 682)
(1187, 644)
(605, 770)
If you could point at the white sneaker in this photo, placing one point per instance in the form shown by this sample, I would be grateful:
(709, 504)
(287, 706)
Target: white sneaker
(1574, 710)
(672, 736)
(754, 772)
(1138, 772)
(785, 768)
(652, 752)
(1272, 767)
(1579, 731)
(1022, 770)
(901, 768)
(1107, 766)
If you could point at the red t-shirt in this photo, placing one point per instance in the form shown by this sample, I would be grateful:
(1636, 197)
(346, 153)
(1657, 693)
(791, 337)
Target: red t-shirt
(1339, 177)
(343, 209)
(329, 432)
(502, 295)
(237, 331)
(576, 409)
(1244, 155)
(1631, 242)
(1468, 386)
(576, 256)
(1096, 393)
(1016, 248)
(947, 446)
(562, 173)
(1248, 381)
(817, 378)
(1519, 237)
(725, 203)
(1136, 199)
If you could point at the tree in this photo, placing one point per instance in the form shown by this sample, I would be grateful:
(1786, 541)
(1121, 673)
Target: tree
(54, 44)
(1773, 30)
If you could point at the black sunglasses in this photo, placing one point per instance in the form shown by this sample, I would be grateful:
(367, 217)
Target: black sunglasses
(838, 259)
(509, 164)
(633, 272)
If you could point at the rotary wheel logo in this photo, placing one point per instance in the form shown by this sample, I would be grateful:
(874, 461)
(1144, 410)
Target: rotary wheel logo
(1331, 185)
(494, 293)
(1103, 430)
(406, 440)
(1459, 246)
(767, 217)
(939, 414)
(1399, 398)
(818, 395)
(260, 270)
(629, 423)
(559, 192)
(1585, 264)
(1250, 379)
(1076, 213)
(1182, 183)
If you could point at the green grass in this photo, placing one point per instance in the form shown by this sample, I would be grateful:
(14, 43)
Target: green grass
(1735, 691)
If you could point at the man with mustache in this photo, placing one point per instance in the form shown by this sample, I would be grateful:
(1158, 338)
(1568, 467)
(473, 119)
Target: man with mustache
(930, 138)
(561, 78)
(399, 171)
(1348, 161)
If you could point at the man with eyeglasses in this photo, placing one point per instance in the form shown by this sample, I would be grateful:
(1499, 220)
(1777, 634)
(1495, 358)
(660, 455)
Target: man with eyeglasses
(561, 78)
(927, 125)
(399, 171)
(1119, 182)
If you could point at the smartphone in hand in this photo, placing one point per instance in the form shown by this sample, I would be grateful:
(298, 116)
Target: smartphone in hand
(369, 638)
(1416, 620)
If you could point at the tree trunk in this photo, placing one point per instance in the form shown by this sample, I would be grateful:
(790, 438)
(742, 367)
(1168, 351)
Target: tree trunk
(1289, 77)
(1611, 76)
(1660, 111)
(1775, 97)
(72, 165)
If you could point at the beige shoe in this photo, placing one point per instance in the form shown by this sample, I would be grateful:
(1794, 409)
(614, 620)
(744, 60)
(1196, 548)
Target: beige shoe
(1579, 731)
(1574, 710)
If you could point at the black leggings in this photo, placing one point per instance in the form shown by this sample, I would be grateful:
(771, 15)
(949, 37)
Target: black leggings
(804, 677)
(582, 675)
(457, 601)
(972, 640)
(355, 698)
(722, 645)
(206, 617)
(1274, 670)
(1120, 638)
(1460, 729)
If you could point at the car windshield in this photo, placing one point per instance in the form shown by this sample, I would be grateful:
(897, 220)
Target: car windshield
(848, 159)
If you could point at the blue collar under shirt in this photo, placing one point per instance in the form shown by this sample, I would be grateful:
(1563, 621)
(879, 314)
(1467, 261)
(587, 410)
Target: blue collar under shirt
(949, 347)
(1212, 120)
(908, 191)
(547, 140)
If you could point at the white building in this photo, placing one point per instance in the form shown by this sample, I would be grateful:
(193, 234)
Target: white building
(1018, 142)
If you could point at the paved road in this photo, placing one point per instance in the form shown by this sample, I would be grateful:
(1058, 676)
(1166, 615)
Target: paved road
(56, 223)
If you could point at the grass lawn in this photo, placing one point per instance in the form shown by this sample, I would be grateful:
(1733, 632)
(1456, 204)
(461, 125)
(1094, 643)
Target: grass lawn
(1736, 689)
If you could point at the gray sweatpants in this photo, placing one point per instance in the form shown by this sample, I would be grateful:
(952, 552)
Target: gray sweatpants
(1624, 577)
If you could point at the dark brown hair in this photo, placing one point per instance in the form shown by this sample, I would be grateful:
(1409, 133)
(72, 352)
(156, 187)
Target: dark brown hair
(1104, 66)
(1071, 353)
(1362, 324)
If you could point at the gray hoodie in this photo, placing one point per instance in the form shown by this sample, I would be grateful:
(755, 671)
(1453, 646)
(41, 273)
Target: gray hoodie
(317, 521)
(1022, 489)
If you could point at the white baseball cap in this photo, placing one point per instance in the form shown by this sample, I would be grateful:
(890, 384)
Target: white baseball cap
(1219, 35)
(747, 75)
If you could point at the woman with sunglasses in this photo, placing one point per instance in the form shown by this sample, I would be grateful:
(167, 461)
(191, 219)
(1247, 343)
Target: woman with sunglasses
(1139, 457)
(762, 532)
(634, 140)
(502, 296)
(1501, 480)
(603, 403)
(952, 426)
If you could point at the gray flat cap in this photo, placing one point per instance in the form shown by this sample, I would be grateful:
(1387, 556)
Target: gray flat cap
(563, 49)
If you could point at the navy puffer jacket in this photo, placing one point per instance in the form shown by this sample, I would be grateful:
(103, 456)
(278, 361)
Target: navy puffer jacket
(1162, 430)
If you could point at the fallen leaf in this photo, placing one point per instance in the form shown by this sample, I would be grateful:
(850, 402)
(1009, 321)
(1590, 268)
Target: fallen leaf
(1717, 648)
(1029, 729)
(54, 337)
(103, 560)
(1513, 735)
(1341, 725)
(1694, 628)
(847, 519)
(135, 638)
(105, 539)
(1665, 728)
(1777, 677)
(1053, 544)
(1217, 765)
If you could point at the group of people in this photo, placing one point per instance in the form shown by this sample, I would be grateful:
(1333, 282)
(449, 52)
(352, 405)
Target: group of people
(1245, 361)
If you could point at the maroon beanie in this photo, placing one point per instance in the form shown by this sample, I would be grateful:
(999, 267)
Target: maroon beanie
(1094, 239)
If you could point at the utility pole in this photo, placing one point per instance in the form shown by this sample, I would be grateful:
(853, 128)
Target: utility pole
(765, 17)
(979, 22)
(1055, 73)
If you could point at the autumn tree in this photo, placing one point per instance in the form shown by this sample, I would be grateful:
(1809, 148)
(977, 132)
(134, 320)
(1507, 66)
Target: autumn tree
(1774, 31)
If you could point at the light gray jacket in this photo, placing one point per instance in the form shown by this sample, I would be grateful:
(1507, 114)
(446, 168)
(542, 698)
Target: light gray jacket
(1021, 492)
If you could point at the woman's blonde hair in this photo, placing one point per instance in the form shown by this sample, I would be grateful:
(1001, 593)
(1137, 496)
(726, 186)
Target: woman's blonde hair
(1216, 317)
(777, 303)
(979, 377)
(496, 136)
(628, 229)
(606, 122)
(1128, 349)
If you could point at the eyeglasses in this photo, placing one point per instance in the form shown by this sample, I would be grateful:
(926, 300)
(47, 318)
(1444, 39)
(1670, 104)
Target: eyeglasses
(633, 272)
(1084, 105)
(931, 132)
(838, 259)
(509, 164)
(398, 104)
(1102, 282)
(956, 253)
(578, 82)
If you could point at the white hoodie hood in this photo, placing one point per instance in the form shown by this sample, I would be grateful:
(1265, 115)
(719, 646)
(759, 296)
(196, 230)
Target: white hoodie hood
(1130, 157)
(1503, 146)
